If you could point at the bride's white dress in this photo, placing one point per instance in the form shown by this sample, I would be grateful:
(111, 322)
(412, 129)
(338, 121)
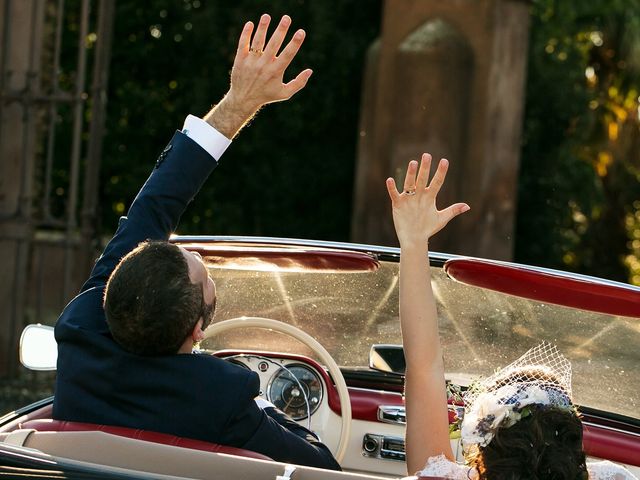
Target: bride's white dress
(441, 466)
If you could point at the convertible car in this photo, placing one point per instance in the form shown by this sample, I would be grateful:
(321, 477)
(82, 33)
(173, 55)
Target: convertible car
(318, 322)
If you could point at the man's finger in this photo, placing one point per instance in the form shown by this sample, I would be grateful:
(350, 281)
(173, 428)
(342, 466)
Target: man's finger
(438, 178)
(288, 54)
(245, 37)
(423, 173)
(298, 83)
(394, 195)
(261, 33)
(275, 42)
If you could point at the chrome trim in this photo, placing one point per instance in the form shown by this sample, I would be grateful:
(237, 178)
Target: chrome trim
(283, 241)
(611, 429)
(393, 252)
(393, 414)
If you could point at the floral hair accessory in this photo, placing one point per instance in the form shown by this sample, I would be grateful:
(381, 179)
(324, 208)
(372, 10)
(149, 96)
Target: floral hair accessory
(541, 377)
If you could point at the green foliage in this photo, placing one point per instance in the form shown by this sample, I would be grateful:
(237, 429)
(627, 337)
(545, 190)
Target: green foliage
(291, 172)
(580, 163)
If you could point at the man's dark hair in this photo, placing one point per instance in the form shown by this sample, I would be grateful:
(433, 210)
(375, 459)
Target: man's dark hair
(150, 303)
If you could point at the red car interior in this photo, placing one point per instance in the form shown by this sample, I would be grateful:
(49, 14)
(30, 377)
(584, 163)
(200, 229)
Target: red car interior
(545, 287)
(48, 425)
(599, 441)
(285, 259)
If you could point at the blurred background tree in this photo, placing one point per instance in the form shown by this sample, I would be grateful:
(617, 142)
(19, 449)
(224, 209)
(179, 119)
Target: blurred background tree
(579, 189)
(291, 172)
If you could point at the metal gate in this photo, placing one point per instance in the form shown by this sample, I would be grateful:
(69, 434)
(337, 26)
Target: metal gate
(51, 129)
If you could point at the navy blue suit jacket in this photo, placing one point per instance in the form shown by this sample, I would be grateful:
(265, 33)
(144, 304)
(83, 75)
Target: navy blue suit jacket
(195, 396)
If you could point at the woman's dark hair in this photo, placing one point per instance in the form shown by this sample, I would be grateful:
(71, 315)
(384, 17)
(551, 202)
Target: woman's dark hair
(547, 445)
(150, 303)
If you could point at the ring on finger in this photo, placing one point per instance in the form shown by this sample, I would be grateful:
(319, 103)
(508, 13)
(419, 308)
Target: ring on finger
(255, 50)
(410, 191)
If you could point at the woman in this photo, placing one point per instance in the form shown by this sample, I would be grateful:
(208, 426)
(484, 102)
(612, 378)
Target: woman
(519, 423)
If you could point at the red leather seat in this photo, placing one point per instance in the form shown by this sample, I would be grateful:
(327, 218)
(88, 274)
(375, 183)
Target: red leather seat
(48, 425)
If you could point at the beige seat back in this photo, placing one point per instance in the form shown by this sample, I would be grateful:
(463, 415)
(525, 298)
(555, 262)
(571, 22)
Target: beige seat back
(106, 449)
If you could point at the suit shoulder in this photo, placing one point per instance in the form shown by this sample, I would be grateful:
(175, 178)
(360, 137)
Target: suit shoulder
(84, 312)
(222, 368)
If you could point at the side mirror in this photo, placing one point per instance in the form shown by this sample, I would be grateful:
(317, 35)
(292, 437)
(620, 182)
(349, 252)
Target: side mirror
(387, 358)
(38, 348)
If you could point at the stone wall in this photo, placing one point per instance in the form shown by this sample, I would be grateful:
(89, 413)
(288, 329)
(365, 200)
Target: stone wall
(446, 78)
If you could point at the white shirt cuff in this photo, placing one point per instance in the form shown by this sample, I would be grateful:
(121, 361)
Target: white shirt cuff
(262, 403)
(206, 136)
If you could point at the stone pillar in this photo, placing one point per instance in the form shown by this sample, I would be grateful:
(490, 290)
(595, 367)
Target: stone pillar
(446, 78)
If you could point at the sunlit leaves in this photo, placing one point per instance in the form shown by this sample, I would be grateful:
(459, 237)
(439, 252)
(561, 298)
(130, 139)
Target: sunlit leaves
(582, 136)
(632, 259)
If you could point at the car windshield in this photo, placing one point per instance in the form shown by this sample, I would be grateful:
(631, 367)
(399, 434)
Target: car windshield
(481, 330)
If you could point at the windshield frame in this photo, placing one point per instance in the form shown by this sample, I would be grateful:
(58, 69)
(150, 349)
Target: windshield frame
(460, 308)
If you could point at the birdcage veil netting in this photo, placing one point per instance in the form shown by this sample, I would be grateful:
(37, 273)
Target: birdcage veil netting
(542, 376)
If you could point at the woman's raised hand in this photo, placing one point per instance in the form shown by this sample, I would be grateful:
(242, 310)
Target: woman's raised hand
(415, 215)
(416, 219)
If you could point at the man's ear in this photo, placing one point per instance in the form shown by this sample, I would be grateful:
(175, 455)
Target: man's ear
(198, 333)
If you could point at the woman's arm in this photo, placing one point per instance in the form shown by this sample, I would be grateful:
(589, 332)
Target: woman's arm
(416, 219)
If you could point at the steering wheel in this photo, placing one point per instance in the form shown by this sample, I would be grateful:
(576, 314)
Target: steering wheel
(314, 345)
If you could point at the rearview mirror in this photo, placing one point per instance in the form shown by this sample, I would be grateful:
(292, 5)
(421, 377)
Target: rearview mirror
(38, 348)
(387, 358)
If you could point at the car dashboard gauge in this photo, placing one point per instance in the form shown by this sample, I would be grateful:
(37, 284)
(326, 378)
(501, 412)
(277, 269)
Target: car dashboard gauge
(296, 390)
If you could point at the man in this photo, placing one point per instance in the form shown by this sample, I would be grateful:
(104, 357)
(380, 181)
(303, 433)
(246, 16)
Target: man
(124, 343)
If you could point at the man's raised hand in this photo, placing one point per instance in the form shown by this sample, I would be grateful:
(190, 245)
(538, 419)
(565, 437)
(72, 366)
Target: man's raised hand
(257, 76)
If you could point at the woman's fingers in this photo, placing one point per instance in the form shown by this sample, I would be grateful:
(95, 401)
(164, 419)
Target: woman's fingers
(423, 173)
(453, 211)
(416, 180)
(410, 177)
(415, 214)
(438, 179)
(393, 191)
(413, 183)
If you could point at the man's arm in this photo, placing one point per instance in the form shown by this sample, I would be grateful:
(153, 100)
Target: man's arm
(416, 218)
(281, 438)
(184, 165)
(275, 434)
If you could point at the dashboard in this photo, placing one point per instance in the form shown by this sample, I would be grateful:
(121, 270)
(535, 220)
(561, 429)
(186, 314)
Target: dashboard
(303, 389)
(294, 386)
